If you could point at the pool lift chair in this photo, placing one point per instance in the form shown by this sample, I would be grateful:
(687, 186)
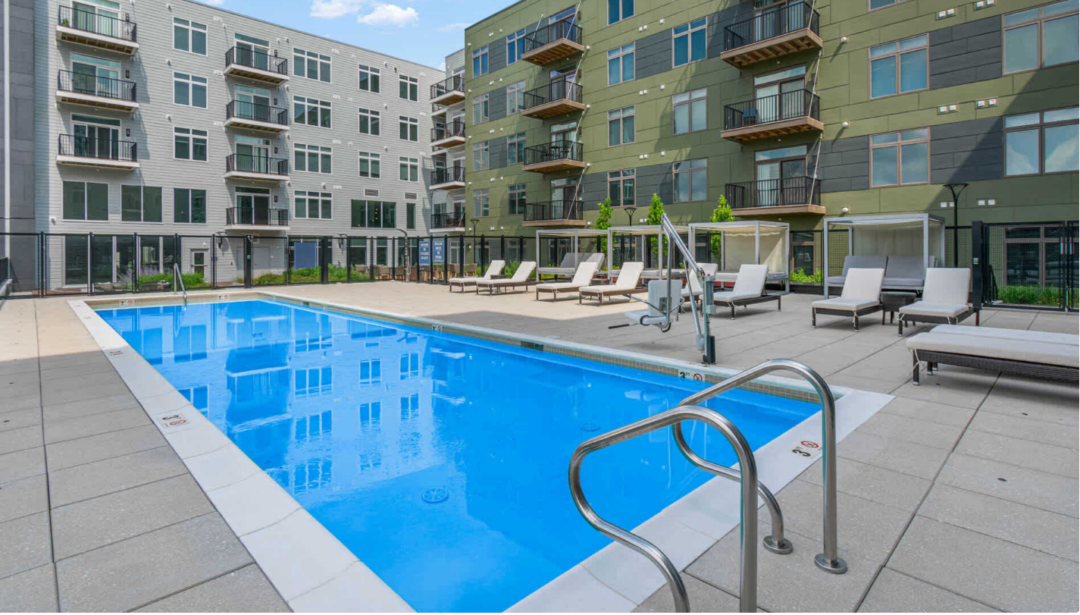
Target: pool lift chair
(665, 298)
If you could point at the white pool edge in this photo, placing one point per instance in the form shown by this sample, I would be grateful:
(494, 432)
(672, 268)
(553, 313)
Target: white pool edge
(314, 572)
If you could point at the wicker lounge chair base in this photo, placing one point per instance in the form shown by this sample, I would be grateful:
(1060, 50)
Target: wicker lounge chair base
(853, 314)
(611, 293)
(750, 301)
(913, 319)
(1020, 368)
(507, 284)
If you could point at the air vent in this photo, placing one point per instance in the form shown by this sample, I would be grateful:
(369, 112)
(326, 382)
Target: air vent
(370, 192)
(410, 195)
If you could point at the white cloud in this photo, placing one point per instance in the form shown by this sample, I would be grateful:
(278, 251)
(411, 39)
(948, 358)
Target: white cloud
(450, 27)
(389, 15)
(332, 9)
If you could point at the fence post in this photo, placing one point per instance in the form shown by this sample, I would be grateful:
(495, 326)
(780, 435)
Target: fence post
(43, 249)
(248, 243)
(89, 264)
(324, 260)
(976, 264)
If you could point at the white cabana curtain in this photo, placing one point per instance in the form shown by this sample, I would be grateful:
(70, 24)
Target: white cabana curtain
(888, 241)
(738, 249)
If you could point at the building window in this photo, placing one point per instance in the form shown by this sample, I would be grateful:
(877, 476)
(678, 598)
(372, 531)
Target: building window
(691, 181)
(369, 79)
(1036, 255)
(515, 46)
(620, 64)
(369, 165)
(189, 144)
(189, 90)
(689, 42)
(480, 61)
(312, 158)
(515, 97)
(314, 205)
(480, 203)
(407, 128)
(690, 111)
(620, 126)
(517, 199)
(140, 204)
(1043, 142)
(311, 112)
(189, 36)
(369, 122)
(621, 187)
(778, 174)
(371, 369)
(409, 169)
(189, 206)
(899, 67)
(410, 216)
(375, 214)
(311, 65)
(618, 10)
(900, 158)
(1040, 37)
(86, 201)
(515, 149)
(481, 156)
(480, 109)
(407, 88)
(877, 4)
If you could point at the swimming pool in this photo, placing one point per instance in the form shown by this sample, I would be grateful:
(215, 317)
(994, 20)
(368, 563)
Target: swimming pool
(439, 460)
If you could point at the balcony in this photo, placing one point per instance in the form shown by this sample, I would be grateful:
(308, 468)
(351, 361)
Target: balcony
(556, 98)
(449, 91)
(94, 91)
(448, 178)
(257, 168)
(553, 42)
(252, 116)
(772, 33)
(451, 135)
(551, 157)
(258, 65)
(102, 153)
(772, 116)
(438, 111)
(93, 30)
(775, 197)
(555, 214)
(448, 221)
(256, 219)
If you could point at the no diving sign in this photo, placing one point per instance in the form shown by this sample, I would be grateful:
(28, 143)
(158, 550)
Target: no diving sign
(173, 421)
(700, 377)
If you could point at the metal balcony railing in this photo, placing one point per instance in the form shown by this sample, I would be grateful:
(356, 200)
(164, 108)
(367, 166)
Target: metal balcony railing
(446, 175)
(253, 58)
(455, 128)
(455, 83)
(448, 219)
(247, 163)
(770, 23)
(774, 192)
(89, 21)
(565, 29)
(243, 110)
(256, 216)
(557, 89)
(768, 109)
(92, 85)
(554, 210)
(100, 148)
(550, 152)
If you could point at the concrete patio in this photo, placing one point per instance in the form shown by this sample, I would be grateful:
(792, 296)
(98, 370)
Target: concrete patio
(960, 495)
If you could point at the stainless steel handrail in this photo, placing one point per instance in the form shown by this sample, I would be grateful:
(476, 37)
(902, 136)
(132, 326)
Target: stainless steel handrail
(180, 280)
(828, 560)
(747, 477)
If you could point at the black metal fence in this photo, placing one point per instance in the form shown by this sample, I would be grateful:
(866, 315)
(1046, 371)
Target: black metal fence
(774, 192)
(554, 210)
(246, 163)
(564, 29)
(771, 22)
(455, 83)
(94, 85)
(255, 58)
(101, 148)
(96, 23)
(447, 175)
(557, 89)
(244, 110)
(768, 109)
(550, 152)
(454, 128)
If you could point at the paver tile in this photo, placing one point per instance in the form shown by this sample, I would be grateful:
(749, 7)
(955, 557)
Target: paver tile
(901, 491)
(20, 419)
(81, 408)
(898, 593)
(71, 453)
(704, 598)
(20, 439)
(892, 454)
(929, 411)
(33, 591)
(24, 497)
(241, 591)
(23, 464)
(116, 474)
(93, 425)
(1051, 492)
(1026, 428)
(25, 544)
(1023, 453)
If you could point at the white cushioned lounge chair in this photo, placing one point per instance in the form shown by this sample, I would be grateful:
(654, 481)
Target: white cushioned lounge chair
(1054, 356)
(857, 262)
(749, 288)
(495, 268)
(522, 278)
(693, 285)
(944, 299)
(582, 277)
(905, 273)
(625, 284)
(861, 295)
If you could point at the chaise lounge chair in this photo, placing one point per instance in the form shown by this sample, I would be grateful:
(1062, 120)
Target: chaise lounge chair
(1054, 356)
(523, 277)
(495, 268)
(857, 262)
(625, 284)
(582, 277)
(861, 295)
(693, 285)
(944, 300)
(905, 273)
(749, 289)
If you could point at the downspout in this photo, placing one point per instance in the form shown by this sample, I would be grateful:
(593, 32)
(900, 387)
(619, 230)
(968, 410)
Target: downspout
(7, 127)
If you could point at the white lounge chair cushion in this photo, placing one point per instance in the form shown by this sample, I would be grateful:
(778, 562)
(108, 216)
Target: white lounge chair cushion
(864, 262)
(840, 303)
(947, 285)
(729, 296)
(1021, 335)
(468, 280)
(582, 277)
(524, 270)
(941, 310)
(693, 284)
(904, 268)
(495, 268)
(913, 283)
(863, 284)
(751, 280)
(996, 348)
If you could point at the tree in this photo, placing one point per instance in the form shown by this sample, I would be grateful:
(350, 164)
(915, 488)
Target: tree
(722, 213)
(656, 211)
(604, 222)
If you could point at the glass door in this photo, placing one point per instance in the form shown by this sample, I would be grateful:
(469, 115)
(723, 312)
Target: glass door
(252, 103)
(252, 52)
(776, 95)
(562, 198)
(95, 76)
(563, 138)
(100, 17)
(562, 82)
(254, 207)
(252, 154)
(93, 140)
(780, 182)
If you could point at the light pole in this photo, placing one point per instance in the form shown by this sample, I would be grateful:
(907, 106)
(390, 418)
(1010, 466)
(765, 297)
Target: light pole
(956, 190)
(474, 223)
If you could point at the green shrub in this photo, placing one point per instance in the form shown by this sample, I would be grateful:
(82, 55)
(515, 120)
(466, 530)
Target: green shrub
(1030, 295)
(191, 280)
(800, 277)
(510, 268)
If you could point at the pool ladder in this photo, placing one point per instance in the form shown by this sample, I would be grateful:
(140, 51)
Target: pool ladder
(691, 410)
(179, 280)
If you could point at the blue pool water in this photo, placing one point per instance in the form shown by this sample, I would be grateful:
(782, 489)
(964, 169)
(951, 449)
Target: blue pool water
(440, 461)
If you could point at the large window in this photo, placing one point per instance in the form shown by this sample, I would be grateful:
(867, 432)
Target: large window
(515, 149)
(1043, 142)
(408, 128)
(691, 181)
(618, 10)
(688, 44)
(369, 122)
(86, 201)
(515, 46)
(480, 203)
(621, 187)
(877, 4)
(410, 216)
(189, 206)
(480, 109)
(374, 214)
(620, 64)
(900, 158)
(407, 88)
(189, 90)
(311, 112)
(515, 97)
(620, 126)
(311, 65)
(517, 199)
(313, 205)
(481, 156)
(189, 36)
(1042, 36)
(899, 67)
(312, 158)
(1036, 255)
(189, 144)
(690, 111)
(480, 61)
(369, 79)
(369, 165)
(140, 204)
(409, 169)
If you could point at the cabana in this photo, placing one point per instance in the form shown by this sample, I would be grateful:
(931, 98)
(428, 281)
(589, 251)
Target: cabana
(642, 250)
(749, 242)
(568, 263)
(895, 237)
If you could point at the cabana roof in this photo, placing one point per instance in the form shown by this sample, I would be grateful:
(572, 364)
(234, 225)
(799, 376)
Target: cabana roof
(647, 229)
(766, 226)
(572, 232)
(885, 220)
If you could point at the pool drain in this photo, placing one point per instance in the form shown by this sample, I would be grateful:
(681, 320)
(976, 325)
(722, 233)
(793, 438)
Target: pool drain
(589, 427)
(435, 496)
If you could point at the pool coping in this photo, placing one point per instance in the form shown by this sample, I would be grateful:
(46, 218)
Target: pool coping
(315, 572)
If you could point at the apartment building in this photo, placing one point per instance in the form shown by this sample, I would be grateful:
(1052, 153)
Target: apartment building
(177, 132)
(791, 111)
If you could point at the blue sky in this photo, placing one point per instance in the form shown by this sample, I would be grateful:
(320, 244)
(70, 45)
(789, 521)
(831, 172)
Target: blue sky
(423, 31)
